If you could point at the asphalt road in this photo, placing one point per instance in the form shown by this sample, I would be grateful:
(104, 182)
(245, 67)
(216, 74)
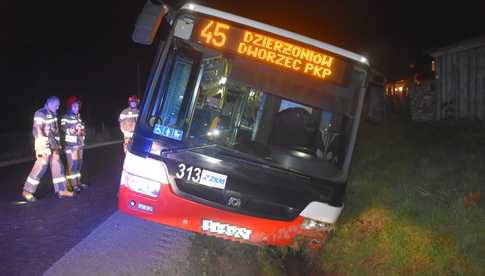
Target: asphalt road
(34, 236)
(126, 245)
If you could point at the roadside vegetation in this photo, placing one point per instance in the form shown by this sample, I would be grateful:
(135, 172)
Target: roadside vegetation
(413, 205)
(214, 256)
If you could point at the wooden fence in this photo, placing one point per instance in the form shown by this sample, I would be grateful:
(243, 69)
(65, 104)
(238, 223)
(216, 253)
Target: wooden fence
(460, 85)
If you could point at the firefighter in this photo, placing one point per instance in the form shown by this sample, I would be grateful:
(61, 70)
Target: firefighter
(47, 151)
(74, 135)
(128, 119)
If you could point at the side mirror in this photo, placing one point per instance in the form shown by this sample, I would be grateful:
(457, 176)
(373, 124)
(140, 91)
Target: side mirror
(148, 22)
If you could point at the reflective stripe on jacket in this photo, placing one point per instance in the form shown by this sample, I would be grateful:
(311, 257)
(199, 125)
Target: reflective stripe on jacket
(74, 130)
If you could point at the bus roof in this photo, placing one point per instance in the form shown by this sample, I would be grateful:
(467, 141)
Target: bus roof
(275, 30)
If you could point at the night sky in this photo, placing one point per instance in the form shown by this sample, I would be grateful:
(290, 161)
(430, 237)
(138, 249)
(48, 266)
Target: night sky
(84, 47)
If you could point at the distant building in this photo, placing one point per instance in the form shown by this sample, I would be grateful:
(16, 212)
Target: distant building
(397, 93)
(397, 88)
(457, 91)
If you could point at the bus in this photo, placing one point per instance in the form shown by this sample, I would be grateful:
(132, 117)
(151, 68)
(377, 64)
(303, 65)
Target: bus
(246, 131)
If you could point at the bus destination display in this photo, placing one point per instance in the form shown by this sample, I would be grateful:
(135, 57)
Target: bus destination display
(268, 49)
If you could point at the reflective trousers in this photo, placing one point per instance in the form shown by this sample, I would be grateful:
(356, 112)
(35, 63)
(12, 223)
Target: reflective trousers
(74, 158)
(39, 169)
(126, 142)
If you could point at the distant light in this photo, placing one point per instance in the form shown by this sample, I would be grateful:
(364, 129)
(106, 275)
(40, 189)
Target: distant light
(363, 59)
(191, 7)
(223, 80)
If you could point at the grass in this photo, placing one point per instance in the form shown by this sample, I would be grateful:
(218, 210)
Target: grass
(406, 210)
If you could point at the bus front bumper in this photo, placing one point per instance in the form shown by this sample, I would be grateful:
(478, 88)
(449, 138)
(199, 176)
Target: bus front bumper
(173, 210)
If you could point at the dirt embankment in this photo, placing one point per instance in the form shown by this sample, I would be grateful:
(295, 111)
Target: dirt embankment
(214, 256)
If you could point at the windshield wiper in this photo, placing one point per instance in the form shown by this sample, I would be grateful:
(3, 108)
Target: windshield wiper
(181, 149)
(255, 160)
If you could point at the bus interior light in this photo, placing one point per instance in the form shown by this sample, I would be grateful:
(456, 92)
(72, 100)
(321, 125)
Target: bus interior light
(223, 80)
(214, 132)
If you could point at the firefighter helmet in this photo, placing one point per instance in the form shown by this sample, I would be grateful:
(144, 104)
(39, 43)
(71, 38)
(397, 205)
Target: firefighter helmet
(133, 98)
(71, 100)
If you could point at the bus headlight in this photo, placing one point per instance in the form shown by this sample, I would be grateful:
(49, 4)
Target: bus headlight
(146, 167)
(140, 184)
(144, 175)
(311, 224)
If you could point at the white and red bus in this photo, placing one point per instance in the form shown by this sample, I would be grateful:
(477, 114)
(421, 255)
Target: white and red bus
(246, 131)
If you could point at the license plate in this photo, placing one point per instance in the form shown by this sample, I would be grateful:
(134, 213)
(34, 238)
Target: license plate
(226, 229)
(144, 207)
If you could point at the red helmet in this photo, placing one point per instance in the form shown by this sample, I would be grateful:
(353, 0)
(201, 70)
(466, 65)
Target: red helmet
(133, 98)
(71, 100)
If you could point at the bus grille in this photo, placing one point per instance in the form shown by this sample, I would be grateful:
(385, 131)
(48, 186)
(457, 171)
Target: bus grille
(249, 205)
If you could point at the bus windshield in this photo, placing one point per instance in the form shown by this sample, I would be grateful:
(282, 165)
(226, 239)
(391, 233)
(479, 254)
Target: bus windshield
(250, 109)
